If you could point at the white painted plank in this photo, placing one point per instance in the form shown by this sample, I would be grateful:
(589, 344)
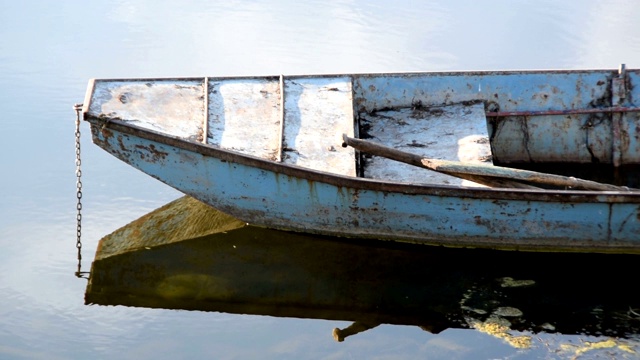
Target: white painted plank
(244, 116)
(317, 112)
(454, 132)
(174, 107)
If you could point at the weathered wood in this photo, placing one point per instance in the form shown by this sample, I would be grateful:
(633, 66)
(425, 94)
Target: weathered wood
(481, 173)
(244, 116)
(316, 113)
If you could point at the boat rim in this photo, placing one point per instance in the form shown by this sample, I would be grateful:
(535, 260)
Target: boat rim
(370, 74)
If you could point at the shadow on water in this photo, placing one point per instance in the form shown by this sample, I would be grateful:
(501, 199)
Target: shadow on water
(174, 258)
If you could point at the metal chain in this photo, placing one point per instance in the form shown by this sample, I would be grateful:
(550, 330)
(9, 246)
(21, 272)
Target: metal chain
(79, 273)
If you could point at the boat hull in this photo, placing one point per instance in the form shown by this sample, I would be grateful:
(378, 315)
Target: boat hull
(286, 197)
(267, 151)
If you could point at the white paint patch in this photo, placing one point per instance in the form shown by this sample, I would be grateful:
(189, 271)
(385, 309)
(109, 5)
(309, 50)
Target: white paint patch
(317, 112)
(173, 107)
(244, 116)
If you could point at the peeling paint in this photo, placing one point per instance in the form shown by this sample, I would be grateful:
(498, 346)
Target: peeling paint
(300, 191)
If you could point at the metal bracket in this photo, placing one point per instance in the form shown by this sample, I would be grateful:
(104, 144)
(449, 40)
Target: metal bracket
(618, 96)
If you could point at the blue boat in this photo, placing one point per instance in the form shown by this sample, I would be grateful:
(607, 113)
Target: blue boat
(520, 160)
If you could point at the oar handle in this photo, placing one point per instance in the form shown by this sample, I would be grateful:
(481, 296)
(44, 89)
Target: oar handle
(381, 150)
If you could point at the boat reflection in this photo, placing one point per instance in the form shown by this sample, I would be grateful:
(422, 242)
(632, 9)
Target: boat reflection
(173, 258)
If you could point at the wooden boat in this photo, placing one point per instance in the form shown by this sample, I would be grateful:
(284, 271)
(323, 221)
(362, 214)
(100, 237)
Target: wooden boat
(187, 255)
(529, 160)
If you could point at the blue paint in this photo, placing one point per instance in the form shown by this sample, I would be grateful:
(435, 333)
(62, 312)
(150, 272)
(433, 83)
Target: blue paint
(271, 194)
(568, 138)
(277, 200)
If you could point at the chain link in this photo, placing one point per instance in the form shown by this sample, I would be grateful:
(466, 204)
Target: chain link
(79, 272)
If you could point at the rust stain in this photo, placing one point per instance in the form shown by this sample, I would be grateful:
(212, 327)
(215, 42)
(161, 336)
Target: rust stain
(121, 144)
(156, 155)
(312, 189)
(356, 195)
(106, 133)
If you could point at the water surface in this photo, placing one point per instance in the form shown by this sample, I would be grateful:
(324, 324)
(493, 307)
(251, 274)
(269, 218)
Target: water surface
(49, 50)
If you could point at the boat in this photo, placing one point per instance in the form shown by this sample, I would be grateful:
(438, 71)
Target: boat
(535, 160)
(186, 255)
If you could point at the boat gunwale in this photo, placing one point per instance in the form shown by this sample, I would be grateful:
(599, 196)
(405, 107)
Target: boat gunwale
(359, 183)
(370, 74)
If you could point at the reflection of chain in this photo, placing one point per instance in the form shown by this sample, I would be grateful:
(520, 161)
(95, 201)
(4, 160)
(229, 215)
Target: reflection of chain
(79, 273)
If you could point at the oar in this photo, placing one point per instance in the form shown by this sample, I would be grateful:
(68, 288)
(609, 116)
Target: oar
(416, 160)
(495, 176)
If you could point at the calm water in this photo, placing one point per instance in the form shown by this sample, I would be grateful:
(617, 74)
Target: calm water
(48, 51)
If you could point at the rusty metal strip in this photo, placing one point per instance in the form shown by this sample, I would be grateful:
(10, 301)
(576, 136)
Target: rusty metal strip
(618, 94)
(356, 129)
(282, 114)
(616, 146)
(613, 109)
(205, 127)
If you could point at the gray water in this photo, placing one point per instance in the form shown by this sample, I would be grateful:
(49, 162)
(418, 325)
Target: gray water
(49, 50)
